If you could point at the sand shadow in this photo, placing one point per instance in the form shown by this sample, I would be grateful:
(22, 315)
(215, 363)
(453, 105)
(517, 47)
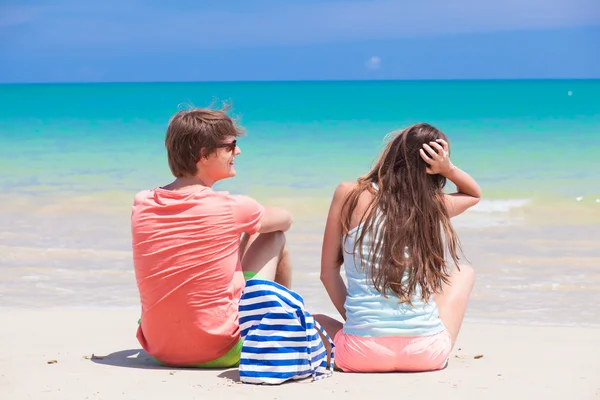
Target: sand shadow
(231, 374)
(138, 358)
(133, 358)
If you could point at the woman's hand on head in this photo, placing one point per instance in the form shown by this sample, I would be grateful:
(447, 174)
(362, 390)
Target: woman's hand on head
(437, 156)
(468, 193)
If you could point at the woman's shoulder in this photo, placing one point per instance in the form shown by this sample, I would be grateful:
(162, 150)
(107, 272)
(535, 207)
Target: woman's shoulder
(344, 188)
(341, 194)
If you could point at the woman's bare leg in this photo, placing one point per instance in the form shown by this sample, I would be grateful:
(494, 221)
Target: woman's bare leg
(332, 327)
(452, 302)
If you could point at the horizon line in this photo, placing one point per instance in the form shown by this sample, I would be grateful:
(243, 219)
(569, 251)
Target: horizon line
(296, 81)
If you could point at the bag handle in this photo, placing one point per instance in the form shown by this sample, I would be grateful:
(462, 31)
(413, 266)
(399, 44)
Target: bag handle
(331, 360)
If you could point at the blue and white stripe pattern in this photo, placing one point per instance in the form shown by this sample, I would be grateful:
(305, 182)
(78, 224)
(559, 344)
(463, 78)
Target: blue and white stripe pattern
(280, 338)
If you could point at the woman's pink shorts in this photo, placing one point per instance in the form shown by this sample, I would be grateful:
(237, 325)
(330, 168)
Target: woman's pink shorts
(387, 354)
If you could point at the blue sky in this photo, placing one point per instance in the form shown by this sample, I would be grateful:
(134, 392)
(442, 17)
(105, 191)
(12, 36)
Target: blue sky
(152, 40)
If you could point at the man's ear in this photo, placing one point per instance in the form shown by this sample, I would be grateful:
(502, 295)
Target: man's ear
(203, 155)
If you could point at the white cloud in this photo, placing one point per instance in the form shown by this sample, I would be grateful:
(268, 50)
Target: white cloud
(373, 63)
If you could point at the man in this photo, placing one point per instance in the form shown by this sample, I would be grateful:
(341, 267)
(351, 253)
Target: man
(193, 247)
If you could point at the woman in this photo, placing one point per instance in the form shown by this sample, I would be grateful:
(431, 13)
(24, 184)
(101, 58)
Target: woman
(404, 305)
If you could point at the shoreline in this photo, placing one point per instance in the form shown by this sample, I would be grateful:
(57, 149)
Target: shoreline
(545, 274)
(94, 354)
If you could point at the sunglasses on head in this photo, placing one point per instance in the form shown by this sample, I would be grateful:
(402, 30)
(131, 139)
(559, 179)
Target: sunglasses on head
(230, 146)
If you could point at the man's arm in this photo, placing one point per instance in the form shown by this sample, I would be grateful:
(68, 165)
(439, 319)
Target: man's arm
(251, 218)
(275, 219)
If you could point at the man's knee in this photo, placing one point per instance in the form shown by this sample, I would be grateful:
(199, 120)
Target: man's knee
(274, 239)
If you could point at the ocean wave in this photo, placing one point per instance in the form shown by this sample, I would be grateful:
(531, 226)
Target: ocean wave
(492, 213)
(500, 205)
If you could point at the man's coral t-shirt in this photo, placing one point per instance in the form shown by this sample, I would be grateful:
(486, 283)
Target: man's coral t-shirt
(188, 271)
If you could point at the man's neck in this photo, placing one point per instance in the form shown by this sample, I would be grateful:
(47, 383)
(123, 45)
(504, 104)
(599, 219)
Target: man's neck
(188, 181)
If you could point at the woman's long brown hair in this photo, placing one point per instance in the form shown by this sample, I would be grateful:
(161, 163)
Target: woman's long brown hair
(413, 222)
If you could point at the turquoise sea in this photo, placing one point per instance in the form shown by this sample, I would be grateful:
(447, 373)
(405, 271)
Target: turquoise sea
(521, 139)
(73, 155)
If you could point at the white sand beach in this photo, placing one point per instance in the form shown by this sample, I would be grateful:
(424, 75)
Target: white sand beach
(93, 354)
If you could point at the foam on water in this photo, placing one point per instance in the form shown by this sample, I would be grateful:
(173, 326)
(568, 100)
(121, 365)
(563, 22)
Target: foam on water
(499, 205)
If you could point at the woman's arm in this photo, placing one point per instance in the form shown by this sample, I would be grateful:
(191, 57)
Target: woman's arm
(331, 254)
(468, 191)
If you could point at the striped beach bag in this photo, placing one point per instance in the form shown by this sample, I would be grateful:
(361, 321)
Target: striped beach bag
(280, 338)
